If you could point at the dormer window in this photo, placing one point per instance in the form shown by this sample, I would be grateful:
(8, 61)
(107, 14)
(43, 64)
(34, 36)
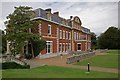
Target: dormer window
(48, 16)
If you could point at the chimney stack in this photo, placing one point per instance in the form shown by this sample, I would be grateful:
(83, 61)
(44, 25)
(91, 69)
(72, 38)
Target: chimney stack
(71, 17)
(56, 13)
(48, 10)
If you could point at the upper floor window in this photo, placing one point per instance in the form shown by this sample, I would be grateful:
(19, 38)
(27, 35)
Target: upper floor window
(60, 34)
(63, 34)
(66, 34)
(69, 35)
(49, 29)
(48, 16)
(77, 36)
(74, 35)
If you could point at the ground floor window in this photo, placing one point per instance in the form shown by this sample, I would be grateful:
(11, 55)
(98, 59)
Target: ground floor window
(63, 47)
(69, 47)
(49, 47)
(60, 47)
(79, 46)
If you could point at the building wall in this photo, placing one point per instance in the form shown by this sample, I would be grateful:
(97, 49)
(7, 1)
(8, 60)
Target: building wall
(57, 42)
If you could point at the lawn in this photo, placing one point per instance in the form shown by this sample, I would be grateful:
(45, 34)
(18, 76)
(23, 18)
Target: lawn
(113, 52)
(110, 60)
(54, 72)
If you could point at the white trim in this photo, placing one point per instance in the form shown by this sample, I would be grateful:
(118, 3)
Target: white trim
(64, 47)
(60, 47)
(69, 35)
(61, 34)
(50, 29)
(51, 47)
(49, 41)
(39, 28)
(70, 46)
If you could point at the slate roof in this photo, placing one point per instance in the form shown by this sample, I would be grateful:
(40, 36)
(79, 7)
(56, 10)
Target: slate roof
(55, 18)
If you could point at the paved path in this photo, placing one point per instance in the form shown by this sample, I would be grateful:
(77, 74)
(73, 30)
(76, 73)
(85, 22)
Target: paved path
(57, 61)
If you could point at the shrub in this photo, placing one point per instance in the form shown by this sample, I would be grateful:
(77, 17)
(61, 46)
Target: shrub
(38, 45)
(13, 65)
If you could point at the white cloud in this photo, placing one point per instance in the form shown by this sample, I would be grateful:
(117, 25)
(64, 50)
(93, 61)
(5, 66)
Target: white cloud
(97, 16)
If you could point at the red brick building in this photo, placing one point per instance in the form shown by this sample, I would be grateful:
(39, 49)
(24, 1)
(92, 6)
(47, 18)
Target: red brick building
(62, 35)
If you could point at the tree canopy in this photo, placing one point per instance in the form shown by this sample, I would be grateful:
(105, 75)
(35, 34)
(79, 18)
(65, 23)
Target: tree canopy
(19, 28)
(110, 39)
(93, 40)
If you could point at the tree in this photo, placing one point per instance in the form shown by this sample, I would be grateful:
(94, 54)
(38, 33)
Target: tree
(109, 39)
(38, 45)
(18, 28)
(93, 40)
(4, 44)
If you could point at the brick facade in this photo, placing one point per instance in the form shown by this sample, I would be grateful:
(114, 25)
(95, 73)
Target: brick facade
(62, 35)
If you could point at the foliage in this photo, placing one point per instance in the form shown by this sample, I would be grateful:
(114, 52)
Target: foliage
(38, 45)
(110, 39)
(93, 40)
(18, 29)
(4, 42)
(13, 65)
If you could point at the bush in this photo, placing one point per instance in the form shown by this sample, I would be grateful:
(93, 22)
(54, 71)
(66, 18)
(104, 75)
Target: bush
(38, 46)
(13, 65)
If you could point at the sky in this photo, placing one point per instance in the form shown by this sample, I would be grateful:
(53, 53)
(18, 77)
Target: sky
(96, 16)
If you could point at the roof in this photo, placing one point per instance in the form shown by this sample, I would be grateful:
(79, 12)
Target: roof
(40, 13)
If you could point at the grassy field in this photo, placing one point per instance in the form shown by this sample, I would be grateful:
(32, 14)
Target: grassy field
(54, 72)
(110, 60)
(113, 52)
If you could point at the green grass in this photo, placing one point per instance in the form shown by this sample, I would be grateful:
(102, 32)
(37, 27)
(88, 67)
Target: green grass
(110, 60)
(112, 52)
(54, 72)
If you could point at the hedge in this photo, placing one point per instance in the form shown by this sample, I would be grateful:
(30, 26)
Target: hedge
(13, 65)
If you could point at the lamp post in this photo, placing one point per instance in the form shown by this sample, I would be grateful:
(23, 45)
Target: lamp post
(88, 67)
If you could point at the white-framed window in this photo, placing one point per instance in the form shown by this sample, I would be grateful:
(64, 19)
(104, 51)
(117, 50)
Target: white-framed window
(69, 35)
(66, 47)
(60, 34)
(79, 36)
(49, 29)
(69, 46)
(48, 47)
(66, 34)
(60, 47)
(74, 35)
(63, 34)
(78, 46)
(63, 47)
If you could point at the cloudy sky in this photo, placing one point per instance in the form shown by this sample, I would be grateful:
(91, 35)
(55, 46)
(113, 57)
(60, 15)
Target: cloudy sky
(97, 16)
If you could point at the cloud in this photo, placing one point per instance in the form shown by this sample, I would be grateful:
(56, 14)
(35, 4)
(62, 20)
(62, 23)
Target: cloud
(97, 16)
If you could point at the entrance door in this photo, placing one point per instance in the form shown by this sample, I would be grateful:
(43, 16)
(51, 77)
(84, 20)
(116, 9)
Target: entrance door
(49, 47)
(79, 47)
